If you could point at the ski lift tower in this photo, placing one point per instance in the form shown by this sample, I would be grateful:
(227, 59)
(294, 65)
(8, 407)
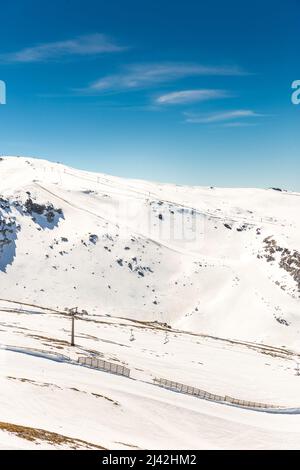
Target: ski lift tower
(73, 312)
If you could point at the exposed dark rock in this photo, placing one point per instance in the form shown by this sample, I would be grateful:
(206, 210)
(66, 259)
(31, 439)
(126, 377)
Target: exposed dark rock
(93, 238)
(287, 259)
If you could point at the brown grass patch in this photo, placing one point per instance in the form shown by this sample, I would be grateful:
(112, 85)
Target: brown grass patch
(36, 435)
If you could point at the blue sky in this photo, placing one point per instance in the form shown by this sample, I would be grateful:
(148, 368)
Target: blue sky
(193, 92)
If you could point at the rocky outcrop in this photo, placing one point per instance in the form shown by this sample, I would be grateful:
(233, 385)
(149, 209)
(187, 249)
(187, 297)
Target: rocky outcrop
(289, 260)
(47, 212)
(11, 211)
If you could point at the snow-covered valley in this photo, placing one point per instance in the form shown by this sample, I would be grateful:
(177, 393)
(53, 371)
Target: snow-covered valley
(196, 285)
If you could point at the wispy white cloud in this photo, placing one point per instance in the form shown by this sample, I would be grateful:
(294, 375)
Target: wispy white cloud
(191, 96)
(146, 75)
(91, 44)
(239, 124)
(221, 116)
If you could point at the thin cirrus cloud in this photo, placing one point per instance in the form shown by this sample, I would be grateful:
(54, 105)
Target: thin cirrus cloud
(145, 75)
(87, 45)
(190, 96)
(222, 117)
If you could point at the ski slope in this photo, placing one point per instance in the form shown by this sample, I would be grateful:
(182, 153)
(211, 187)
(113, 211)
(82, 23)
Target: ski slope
(206, 280)
(42, 386)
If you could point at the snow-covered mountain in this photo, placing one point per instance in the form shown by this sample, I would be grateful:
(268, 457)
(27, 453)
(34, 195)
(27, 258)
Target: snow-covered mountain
(176, 283)
(224, 262)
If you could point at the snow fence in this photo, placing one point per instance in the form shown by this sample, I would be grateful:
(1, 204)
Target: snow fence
(197, 392)
(104, 365)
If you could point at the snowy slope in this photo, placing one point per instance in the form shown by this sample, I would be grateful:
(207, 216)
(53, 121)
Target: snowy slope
(192, 257)
(42, 387)
(195, 285)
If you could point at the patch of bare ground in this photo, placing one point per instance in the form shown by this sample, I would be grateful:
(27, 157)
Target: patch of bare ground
(47, 384)
(34, 382)
(38, 436)
(22, 379)
(97, 395)
(17, 302)
(51, 340)
(127, 445)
